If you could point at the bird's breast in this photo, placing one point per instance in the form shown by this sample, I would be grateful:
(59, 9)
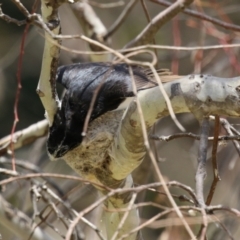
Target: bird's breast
(88, 157)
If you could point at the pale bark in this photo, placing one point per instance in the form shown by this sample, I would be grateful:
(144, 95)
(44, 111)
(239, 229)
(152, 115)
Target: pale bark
(93, 27)
(203, 95)
(24, 137)
(47, 86)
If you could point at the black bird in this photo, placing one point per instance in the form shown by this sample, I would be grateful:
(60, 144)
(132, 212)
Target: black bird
(112, 85)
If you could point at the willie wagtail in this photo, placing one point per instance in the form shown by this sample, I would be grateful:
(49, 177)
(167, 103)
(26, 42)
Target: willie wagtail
(110, 84)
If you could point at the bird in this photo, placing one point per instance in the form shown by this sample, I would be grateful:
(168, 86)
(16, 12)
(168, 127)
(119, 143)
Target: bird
(110, 84)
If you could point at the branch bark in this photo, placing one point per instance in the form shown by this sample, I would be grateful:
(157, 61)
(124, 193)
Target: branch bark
(202, 95)
(93, 27)
(24, 137)
(201, 173)
(47, 86)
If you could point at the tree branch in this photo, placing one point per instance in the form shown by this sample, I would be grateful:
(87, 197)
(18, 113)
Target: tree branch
(92, 27)
(47, 86)
(200, 94)
(216, 176)
(151, 29)
(202, 16)
(114, 27)
(24, 137)
(202, 158)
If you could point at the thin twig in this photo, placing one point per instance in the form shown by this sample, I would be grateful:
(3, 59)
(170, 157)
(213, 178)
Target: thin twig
(216, 176)
(93, 101)
(9, 172)
(120, 19)
(92, 26)
(202, 232)
(70, 209)
(24, 137)
(194, 136)
(21, 7)
(157, 22)
(146, 46)
(202, 158)
(113, 192)
(149, 20)
(146, 64)
(156, 224)
(230, 129)
(215, 208)
(59, 214)
(53, 175)
(146, 223)
(202, 16)
(39, 191)
(8, 19)
(19, 81)
(18, 223)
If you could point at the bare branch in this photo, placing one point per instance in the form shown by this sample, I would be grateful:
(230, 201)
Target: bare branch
(230, 130)
(52, 175)
(47, 86)
(182, 101)
(71, 210)
(109, 195)
(93, 28)
(24, 137)
(202, 16)
(89, 20)
(8, 19)
(19, 223)
(157, 22)
(216, 176)
(194, 136)
(149, 20)
(21, 7)
(8, 172)
(202, 158)
(121, 18)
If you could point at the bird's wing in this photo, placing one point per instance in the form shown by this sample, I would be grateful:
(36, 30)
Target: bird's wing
(82, 80)
(144, 78)
(165, 75)
(83, 74)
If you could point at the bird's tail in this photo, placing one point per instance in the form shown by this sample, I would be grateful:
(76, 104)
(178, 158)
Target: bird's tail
(165, 75)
